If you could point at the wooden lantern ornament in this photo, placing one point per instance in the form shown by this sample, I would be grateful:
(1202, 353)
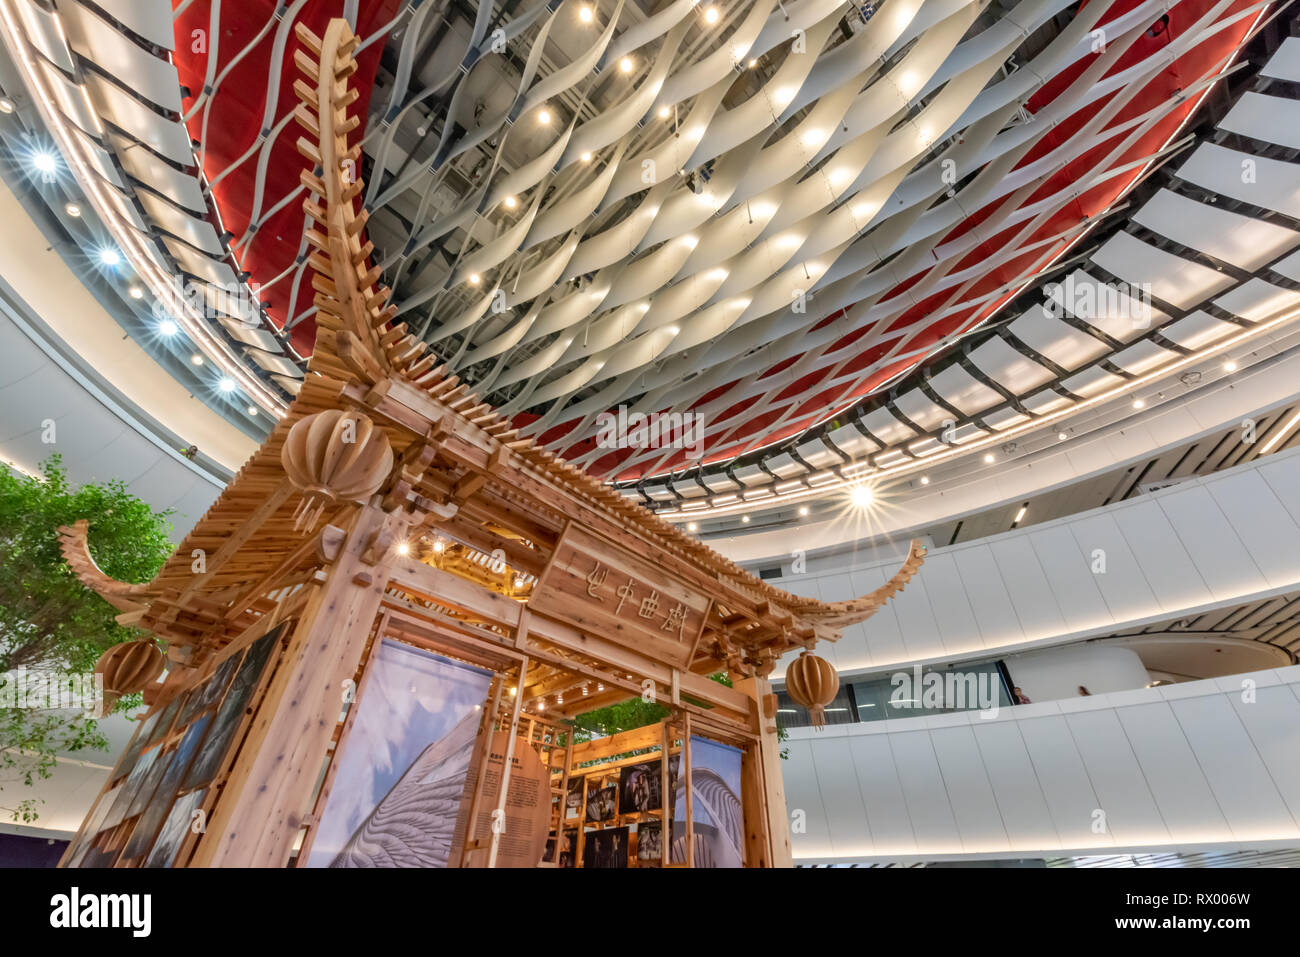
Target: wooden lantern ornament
(334, 456)
(813, 683)
(127, 668)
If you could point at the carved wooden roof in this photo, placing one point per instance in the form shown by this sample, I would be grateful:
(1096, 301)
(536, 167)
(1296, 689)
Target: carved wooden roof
(461, 470)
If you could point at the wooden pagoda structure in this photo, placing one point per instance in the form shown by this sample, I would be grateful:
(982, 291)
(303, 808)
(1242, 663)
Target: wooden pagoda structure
(392, 503)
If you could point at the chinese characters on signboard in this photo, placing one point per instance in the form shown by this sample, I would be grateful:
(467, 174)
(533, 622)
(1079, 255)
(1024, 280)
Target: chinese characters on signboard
(610, 592)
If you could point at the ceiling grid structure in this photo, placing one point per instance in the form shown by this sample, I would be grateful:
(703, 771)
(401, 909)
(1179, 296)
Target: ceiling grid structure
(784, 219)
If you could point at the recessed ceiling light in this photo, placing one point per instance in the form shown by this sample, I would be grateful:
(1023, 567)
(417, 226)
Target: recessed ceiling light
(988, 457)
(543, 116)
(404, 548)
(197, 359)
(226, 385)
(1020, 514)
(585, 14)
(135, 292)
(1139, 404)
(691, 527)
(664, 112)
(109, 257)
(73, 210)
(625, 64)
(1061, 436)
(673, 330)
(6, 105)
(252, 410)
(752, 64)
(711, 15)
(862, 495)
(744, 519)
(585, 157)
(925, 480)
(511, 202)
(167, 327)
(475, 279)
(1230, 366)
(45, 162)
(803, 509)
(439, 545)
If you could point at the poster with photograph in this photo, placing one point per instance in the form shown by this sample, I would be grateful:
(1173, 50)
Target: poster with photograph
(216, 745)
(573, 797)
(602, 804)
(607, 848)
(209, 693)
(715, 792)
(397, 788)
(640, 788)
(649, 841)
(569, 849)
(179, 822)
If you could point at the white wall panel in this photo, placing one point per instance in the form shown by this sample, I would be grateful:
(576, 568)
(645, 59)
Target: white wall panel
(1216, 541)
(1180, 767)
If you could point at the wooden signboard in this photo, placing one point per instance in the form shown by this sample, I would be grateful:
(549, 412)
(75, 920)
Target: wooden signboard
(606, 590)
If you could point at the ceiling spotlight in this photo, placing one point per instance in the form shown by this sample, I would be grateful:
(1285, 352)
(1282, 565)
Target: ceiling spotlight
(1139, 404)
(135, 292)
(6, 105)
(45, 163)
(1061, 436)
(585, 14)
(541, 704)
(110, 257)
(475, 279)
(691, 527)
(711, 15)
(511, 202)
(625, 64)
(1230, 366)
(226, 385)
(73, 210)
(1020, 514)
(439, 545)
(862, 496)
(585, 157)
(988, 458)
(404, 548)
(197, 359)
(664, 112)
(744, 519)
(925, 480)
(673, 330)
(513, 691)
(167, 327)
(752, 64)
(252, 410)
(803, 509)
(543, 116)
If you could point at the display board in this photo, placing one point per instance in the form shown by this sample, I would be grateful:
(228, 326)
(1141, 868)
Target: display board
(718, 821)
(401, 770)
(175, 756)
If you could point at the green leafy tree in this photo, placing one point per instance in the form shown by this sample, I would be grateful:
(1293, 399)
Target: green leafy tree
(637, 713)
(49, 621)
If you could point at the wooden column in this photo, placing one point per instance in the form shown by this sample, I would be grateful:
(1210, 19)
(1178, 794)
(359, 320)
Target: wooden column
(767, 823)
(269, 790)
(499, 817)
